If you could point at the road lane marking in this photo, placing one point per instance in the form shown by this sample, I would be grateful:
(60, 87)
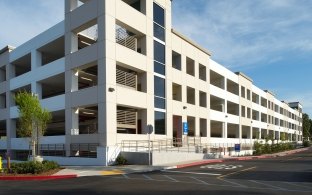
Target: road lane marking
(291, 159)
(221, 166)
(234, 183)
(201, 181)
(276, 187)
(196, 173)
(222, 176)
(147, 177)
(225, 185)
(172, 179)
(310, 188)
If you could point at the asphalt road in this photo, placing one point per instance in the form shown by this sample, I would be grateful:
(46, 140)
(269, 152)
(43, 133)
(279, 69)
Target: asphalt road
(283, 175)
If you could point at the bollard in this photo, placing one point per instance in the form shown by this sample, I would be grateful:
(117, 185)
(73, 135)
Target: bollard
(9, 163)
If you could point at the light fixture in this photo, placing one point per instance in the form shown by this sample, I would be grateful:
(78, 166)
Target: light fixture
(85, 43)
(84, 78)
(110, 89)
(184, 107)
(88, 113)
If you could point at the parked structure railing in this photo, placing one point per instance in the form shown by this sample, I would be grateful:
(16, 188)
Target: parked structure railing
(52, 149)
(88, 150)
(189, 145)
(126, 119)
(125, 39)
(126, 79)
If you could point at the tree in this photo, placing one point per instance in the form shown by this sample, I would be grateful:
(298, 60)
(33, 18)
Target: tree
(283, 136)
(310, 127)
(306, 125)
(33, 119)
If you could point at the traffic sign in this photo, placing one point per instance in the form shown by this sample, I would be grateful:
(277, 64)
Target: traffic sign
(237, 147)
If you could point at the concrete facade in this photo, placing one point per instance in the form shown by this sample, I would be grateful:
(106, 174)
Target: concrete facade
(114, 70)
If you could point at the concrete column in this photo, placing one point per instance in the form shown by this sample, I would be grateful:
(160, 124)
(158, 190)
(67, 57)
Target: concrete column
(2, 102)
(36, 59)
(72, 126)
(75, 121)
(102, 123)
(74, 80)
(70, 5)
(36, 88)
(10, 71)
(224, 132)
(11, 133)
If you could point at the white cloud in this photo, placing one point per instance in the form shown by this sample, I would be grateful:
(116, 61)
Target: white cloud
(22, 20)
(243, 33)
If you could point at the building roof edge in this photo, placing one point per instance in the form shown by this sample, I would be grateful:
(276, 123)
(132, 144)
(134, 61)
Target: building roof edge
(245, 76)
(191, 42)
(6, 48)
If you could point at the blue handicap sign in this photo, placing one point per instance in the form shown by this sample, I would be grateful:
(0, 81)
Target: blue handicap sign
(185, 128)
(237, 147)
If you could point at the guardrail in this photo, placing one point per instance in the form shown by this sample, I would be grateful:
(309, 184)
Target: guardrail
(189, 145)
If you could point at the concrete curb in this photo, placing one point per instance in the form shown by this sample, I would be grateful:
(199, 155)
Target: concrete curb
(237, 159)
(31, 178)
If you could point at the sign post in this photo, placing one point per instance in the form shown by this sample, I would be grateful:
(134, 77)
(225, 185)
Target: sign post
(150, 130)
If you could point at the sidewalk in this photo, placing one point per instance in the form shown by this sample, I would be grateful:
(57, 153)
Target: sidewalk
(81, 171)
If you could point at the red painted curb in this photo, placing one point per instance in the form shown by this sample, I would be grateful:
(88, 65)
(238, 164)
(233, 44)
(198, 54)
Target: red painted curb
(244, 158)
(25, 178)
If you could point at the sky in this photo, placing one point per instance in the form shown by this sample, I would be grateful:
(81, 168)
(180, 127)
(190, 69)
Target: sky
(268, 40)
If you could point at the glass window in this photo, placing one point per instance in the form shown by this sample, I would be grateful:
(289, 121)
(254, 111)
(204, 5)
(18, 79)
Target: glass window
(159, 32)
(160, 103)
(242, 91)
(243, 111)
(159, 68)
(159, 86)
(159, 52)
(159, 15)
(160, 123)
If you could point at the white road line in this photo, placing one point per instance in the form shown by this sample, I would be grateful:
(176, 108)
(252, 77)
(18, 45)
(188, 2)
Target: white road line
(276, 187)
(190, 172)
(201, 181)
(290, 183)
(234, 183)
(172, 179)
(147, 177)
(126, 176)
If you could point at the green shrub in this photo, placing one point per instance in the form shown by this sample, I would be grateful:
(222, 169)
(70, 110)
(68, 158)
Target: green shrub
(258, 148)
(120, 160)
(33, 167)
(267, 149)
(306, 143)
(50, 165)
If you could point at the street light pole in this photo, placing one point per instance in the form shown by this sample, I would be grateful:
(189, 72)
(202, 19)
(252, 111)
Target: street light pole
(150, 129)
(149, 148)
